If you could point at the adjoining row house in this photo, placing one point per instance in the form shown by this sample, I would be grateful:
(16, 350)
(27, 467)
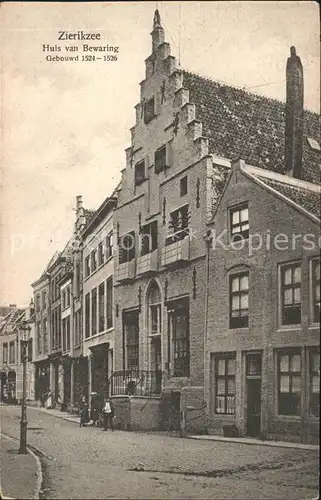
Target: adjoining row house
(11, 355)
(159, 314)
(59, 365)
(98, 289)
(262, 357)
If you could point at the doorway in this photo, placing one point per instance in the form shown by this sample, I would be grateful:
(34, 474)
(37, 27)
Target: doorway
(156, 364)
(253, 385)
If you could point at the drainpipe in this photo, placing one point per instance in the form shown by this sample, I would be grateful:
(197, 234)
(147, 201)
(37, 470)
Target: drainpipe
(208, 241)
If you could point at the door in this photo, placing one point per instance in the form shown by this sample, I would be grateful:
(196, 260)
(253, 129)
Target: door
(253, 407)
(156, 365)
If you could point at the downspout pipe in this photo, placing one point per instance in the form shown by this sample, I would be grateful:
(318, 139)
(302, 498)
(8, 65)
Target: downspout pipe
(208, 242)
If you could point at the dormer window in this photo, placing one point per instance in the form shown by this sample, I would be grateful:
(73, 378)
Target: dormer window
(140, 172)
(149, 110)
(160, 159)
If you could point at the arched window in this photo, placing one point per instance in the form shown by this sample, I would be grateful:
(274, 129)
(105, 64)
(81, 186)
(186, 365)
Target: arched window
(154, 309)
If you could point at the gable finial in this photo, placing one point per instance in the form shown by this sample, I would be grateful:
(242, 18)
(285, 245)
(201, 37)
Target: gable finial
(157, 20)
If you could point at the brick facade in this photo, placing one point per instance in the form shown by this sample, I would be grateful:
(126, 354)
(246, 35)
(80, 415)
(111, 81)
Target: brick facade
(268, 213)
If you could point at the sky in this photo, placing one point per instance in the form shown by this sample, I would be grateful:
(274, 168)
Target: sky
(65, 125)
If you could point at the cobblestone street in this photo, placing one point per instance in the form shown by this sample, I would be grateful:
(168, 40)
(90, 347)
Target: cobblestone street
(88, 463)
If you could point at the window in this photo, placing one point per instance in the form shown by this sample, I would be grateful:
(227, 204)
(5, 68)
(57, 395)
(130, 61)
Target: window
(253, 365)
(38, 338)
(93, 263)
(127, 248)
(58, 317)
(179, 326)
(160, 159)
(77, 327)
(315, 384)
(289, 375)
(109, 245)
(57, 287)
(149, 110)
(178, 225)
(109, 304)
(183, 186)
(63, 299)
(131, 337)
(291, 294)
(240, 222)
(53, 332)
(68, 292)
(12, 357)
(139, 172)
(45, 335)
(148, 237)
(316, 290)
(38, 302)
(239, 300)
(5, 353)
(94, 311)
(101, 254)
(64, 321)
(87, 266)
(154, 302)
(44, 299)
(66, 334)
(87, 315)
(225, 384)
(77, 280)
(53, 290)
(29, 351)
(101, 307)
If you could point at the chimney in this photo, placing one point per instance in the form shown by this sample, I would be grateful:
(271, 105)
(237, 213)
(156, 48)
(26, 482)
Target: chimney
(294, 115)
(31, 307)
(158, 34)
(78, 202)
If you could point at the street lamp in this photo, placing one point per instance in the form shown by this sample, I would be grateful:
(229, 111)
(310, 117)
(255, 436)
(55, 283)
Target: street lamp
(24, 339)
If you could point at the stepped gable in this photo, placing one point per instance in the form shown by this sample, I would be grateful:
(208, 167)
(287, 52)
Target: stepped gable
(240, 124)
(9, 321)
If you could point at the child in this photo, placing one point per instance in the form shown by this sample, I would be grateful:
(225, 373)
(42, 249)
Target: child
(108, 413)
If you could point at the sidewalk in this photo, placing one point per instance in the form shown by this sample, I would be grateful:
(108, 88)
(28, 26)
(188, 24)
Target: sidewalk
(20, 474)
(57, 413)
(280, 444)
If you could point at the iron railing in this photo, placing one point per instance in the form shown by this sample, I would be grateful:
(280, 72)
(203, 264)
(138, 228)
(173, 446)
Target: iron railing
(135, 383)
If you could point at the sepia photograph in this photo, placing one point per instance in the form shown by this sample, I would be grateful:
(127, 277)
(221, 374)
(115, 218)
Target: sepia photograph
(160, 250)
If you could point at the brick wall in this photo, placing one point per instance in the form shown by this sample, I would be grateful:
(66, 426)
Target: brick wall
(265, 333)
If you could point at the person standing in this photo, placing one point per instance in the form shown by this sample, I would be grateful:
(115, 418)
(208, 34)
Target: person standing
(49, 403)
(94, 412)
(108, 413)
(83, 412)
